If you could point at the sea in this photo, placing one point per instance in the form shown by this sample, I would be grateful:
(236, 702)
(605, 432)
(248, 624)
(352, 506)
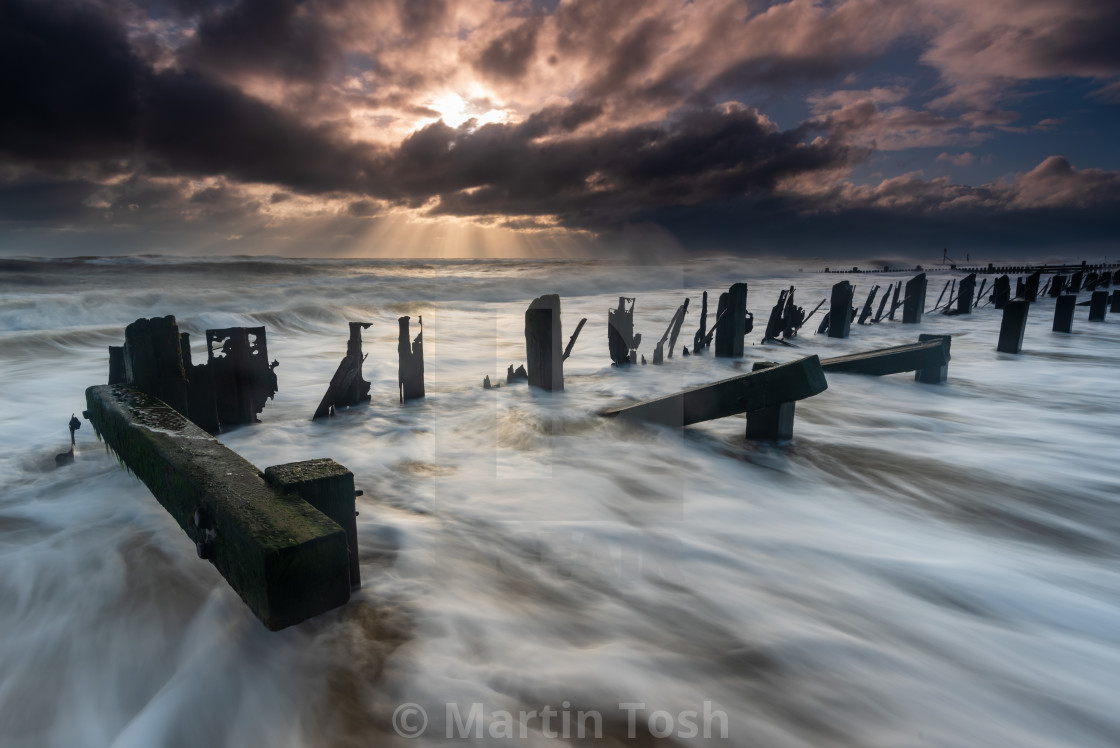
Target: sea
(921, 565)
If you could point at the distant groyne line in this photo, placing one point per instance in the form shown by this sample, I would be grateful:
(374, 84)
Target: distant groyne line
(990, 268)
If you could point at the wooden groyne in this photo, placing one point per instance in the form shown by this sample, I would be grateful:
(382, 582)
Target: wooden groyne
(286, 559)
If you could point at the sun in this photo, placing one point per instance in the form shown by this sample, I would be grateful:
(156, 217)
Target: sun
(454, 110)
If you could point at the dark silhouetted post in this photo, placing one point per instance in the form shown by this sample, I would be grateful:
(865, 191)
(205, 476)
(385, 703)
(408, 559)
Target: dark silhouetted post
(1013, 327)
(347, 387)
(840, 310)
(1075, 281)
(698, 340)
(965, 294)
(865, 313)
(1033, 281)
(153, 362)
(1001, 292)
(1057, 285)
(939, 373)
(915, 302)
(731, 321)
(543, 358)
(116, 364)
(1115, 308)
(774, 422)
(894, 301)
(1064, 307)
(410, 369)
(621, 340)
(1098, 304)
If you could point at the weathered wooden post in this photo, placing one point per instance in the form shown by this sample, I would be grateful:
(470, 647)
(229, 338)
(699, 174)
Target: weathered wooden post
(1115, 308)
(1013, 327)
(1075, 281)
(1098, 304)
(965, 294)
(1020, 289)
(883, 303)
(698, 340)
(936, 374)
(329, 487)
(347, 387)
(915, 300)
(774, 422)
(840, 310)
(1064, 307)
(116, 364)
(866, 311)
(894, 301)
(1033, 281)
(242, 375)
(543, 358)
(1001, 292)
(203, 401)
(1057, 285)
(731, 321)
(153, 362)
(621, 340)
(671, 333)
(410, 369)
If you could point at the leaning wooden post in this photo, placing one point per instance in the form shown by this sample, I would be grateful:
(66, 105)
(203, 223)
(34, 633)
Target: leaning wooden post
(543, 358)
(1013, 327)
(894, 301)
(774, 422)
(1064, 307)
(702, 331)
(866, 312)
(731, 323)
(329, 487)
(965, 294)
(1057, 285)
(915, 302)
(410, 370)
(840, 311)
(1098, 304)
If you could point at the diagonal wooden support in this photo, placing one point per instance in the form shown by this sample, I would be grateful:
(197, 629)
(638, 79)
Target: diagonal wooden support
(287, 560)
(929, 358)
(786, 383)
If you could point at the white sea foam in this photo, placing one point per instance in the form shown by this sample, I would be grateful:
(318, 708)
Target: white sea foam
(923, 565)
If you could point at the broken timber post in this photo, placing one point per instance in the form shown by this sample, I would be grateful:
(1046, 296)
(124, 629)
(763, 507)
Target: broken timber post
(347, 387)
(329, 487)
(1001, 292)
(915, 301)
(1057, 285)
(243, 378)
(1098, 304)
(840, 312)
(786, 383)
(572, 340)
(621, 340)
(116, 364)
(202, 404)
(543, 358)
(928, 358)
(894, 301)
(1115, 308)
(698, 344)
(774, 422)
(1075, 281)
(883, 303)
(678, 322)
(1033, 280)
(1013, 327)
(965, 295)
(287, 560)
(866, 311)
(1064, 307)
(731, 321)
(153, 362)
(410, 369)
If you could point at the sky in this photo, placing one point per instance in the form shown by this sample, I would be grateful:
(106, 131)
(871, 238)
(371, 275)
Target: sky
(494, 128)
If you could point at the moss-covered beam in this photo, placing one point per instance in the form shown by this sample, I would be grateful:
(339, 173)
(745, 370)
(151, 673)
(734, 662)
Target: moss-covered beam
(287, 560)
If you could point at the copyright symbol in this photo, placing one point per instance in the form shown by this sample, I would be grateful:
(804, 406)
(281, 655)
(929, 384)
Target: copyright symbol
(410, 720)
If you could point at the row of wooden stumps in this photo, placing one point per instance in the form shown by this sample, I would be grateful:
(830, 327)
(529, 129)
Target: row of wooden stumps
(1014, 324)
(837, 322)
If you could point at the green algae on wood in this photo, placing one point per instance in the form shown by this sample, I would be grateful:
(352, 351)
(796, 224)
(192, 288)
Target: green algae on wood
(286, 559)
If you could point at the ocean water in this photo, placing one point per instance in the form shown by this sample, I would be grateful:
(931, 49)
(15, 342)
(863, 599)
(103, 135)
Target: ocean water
(921, 566)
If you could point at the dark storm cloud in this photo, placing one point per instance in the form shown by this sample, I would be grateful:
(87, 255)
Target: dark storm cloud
(265, 36)
(508, 55)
